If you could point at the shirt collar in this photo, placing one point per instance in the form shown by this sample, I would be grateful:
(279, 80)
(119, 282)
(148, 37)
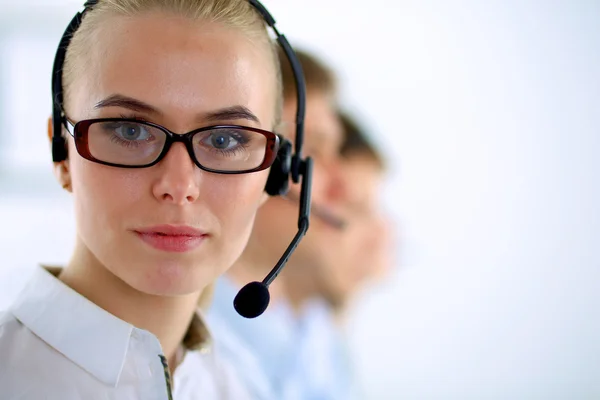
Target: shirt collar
(89, 336)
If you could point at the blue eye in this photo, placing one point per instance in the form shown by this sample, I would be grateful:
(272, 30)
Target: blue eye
(132, 132)
(225, 139)
(221, 141)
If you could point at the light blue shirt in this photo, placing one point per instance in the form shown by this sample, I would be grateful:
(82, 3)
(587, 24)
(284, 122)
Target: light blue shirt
(280, 355)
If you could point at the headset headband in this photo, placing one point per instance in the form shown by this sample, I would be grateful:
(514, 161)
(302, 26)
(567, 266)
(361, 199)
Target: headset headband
(59, 150)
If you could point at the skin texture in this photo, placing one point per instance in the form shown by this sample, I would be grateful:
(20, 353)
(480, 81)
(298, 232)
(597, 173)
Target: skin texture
(185, 70)
(276, 222)
(363, 252)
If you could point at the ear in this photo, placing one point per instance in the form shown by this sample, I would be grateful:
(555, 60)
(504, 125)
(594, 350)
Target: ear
(63, 175)
(50, 129)
(61, 169)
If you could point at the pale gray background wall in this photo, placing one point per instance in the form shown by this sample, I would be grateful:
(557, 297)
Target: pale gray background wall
(490, 111)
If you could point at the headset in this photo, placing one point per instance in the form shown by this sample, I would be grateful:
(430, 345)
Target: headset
(253, 299)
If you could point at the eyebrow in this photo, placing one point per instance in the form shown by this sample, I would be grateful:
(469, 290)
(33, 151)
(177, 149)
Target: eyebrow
(231, 113)
(227, 113)
(117, 100)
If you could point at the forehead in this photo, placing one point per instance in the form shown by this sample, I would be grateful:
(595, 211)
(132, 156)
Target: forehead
(180, 66)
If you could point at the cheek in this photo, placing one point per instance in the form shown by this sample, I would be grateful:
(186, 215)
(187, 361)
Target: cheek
(104, 195)
(319, 177)
(234, 201)
(234, 194)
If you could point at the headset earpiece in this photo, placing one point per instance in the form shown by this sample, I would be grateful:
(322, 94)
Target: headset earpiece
(59, 149)
(278, 182)
(59, 144)
(253, 299)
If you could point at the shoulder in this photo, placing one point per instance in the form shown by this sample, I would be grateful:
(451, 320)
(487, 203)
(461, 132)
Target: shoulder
(12, 282)
(10, 329)
(29, 367)
(18, 345)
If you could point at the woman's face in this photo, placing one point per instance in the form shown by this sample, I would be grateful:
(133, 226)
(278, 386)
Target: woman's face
(187, 74)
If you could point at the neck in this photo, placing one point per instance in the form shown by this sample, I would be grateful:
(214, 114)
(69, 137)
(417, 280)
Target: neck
(168, 318)
(299, 286)
(301, 289)
(295, 289)
(299, 294)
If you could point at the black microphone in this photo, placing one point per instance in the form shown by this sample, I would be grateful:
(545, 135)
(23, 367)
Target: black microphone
(253, 299)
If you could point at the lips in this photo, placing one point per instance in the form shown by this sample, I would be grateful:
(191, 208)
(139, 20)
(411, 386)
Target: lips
(172, 238)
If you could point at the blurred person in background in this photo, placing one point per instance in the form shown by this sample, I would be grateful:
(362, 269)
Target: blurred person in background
(295, 349)
(159, 214)
(363, 253)
(320, 294)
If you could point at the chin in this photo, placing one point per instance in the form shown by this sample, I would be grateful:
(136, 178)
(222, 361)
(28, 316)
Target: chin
(171, 279)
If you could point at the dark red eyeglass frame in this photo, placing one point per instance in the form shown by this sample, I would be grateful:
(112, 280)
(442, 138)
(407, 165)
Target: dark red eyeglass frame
(253, 299)
(80, 132)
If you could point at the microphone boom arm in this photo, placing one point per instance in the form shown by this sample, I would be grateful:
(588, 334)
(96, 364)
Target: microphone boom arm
(303, 218)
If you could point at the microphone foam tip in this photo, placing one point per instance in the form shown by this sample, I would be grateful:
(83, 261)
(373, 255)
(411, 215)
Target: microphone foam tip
(252, 300)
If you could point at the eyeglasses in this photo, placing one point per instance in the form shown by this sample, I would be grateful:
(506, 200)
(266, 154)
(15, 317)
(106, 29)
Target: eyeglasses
(130, 143)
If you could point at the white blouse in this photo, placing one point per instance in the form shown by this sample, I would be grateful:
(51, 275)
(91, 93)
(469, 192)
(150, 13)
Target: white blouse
(57, 345)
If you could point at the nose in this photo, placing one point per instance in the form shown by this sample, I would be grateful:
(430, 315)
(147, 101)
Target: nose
(179, 178)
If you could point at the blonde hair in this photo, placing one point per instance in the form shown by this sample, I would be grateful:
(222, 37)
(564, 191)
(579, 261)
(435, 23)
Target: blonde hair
(238, 14)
